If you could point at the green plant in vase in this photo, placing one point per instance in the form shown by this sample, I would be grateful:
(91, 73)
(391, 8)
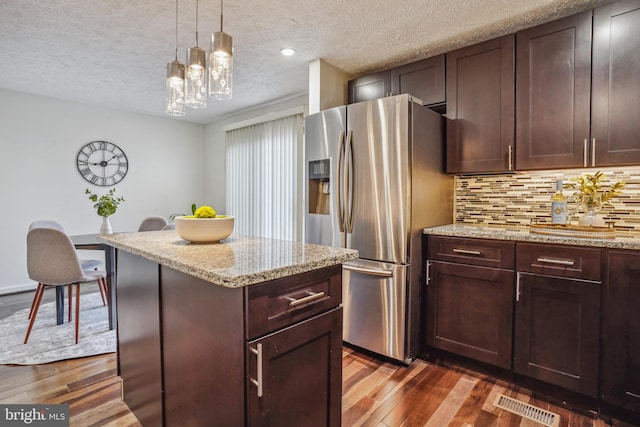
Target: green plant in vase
(105, 205)
(592, 195)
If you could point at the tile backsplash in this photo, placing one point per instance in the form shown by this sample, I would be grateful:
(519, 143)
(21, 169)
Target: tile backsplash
(520, 198)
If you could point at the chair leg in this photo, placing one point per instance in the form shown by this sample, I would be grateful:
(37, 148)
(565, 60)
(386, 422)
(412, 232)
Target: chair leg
(36, 302)
(102, 285)
(39, 289)
(77, 309)
(70, 292)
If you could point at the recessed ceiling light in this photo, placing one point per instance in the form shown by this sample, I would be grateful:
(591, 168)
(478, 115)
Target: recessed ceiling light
(287, 51)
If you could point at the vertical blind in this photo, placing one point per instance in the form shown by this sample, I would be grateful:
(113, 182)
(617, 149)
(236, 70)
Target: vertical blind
(264, 178)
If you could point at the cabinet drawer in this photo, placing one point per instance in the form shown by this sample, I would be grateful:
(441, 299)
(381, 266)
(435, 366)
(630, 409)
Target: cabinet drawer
(483, 252)
(563, 261)
(283, 302)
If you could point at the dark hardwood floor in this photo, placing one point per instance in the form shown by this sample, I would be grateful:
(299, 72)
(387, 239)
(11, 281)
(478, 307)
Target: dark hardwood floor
(375, 393)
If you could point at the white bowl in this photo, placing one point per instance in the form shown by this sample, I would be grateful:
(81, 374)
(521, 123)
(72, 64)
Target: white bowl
(204, 230)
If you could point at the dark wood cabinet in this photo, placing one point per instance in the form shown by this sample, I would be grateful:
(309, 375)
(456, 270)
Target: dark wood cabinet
(557, 315)
(615, 110)
(620, 373)
(288, 381)
(470, 306)
(553, 79)
(369, 87)
(423, 79)
(190, 351)
(480, 107)
(139, 356)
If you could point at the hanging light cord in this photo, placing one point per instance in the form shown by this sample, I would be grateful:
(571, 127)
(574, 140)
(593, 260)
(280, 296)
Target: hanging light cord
(196, 23)
(176, 30)
(221, 5)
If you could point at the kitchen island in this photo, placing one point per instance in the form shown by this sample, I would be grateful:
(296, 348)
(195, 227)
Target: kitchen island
(247, 331)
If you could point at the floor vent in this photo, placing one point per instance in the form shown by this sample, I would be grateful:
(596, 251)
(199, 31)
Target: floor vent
(526, 410)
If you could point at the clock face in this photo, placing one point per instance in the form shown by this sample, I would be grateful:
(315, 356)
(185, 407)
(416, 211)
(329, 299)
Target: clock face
(102, 163)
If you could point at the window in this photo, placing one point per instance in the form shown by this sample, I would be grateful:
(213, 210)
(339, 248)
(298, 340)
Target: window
(264, 178)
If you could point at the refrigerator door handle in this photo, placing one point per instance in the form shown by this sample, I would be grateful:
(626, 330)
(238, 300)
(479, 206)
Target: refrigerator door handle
(340, 207)
(370, 271)
(349, 183)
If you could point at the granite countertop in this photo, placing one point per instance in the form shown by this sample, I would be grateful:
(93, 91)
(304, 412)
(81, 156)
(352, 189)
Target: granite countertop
(234, 262)
(522, 234)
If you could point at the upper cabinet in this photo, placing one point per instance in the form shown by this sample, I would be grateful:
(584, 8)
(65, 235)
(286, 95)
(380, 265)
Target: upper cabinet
(553, 79)
(480, 107)
(615, 105)
(423, 79)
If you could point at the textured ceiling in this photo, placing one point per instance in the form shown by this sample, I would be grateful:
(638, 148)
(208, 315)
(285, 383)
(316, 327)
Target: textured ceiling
(113, 53)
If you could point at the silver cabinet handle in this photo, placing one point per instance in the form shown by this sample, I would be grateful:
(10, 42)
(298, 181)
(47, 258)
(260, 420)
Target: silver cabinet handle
(510, 158)
(466, 252)
(428, 273)
(258, 382)
(593, 152)
(371, 271)
(585, 152)
(517, 286)
(555, 261)
(310, 297)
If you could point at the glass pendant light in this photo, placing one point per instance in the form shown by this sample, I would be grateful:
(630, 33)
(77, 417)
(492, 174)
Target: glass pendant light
(221, 63)
(174, 95)
(196, 74)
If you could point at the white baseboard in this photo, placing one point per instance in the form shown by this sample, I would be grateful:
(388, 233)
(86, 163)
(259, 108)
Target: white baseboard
(5, 290)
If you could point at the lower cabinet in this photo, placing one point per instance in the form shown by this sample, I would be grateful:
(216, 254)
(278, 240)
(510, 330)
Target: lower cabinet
(470, 311)
(620, 382)
(192, 353)
(557, 331)
(288, 381)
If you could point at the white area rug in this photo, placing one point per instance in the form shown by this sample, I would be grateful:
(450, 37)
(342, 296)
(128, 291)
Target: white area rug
(49, 342)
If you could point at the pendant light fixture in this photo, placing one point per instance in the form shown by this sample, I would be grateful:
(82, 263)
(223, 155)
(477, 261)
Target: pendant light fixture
(221, 63)
(174, 95)
(196, 74)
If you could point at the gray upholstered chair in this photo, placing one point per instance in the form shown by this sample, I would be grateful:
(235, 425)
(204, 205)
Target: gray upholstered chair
(87, 264)
(52, 260)
(152, 223)
(170, 226)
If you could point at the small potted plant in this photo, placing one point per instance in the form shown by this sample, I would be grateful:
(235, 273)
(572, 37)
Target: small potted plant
(105, 205)
(592, 196)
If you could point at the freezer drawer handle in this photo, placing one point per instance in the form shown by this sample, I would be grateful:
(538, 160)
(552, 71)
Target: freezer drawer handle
(466, 252)
(293, 302)
(372, 271)
(555, 261)
(258, 382)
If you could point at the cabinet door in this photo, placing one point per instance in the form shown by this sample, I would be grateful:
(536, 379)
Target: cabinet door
(557, 331)
(294, 376)
(470, 311)
(423, 79)
(369, 87)
(621, 331)
(480, 107)
(553, 75)
(616, 84)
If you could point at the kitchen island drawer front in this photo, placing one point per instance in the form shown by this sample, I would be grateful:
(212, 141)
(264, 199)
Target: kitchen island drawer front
(482, 252)
(280, 303)
(563, 261)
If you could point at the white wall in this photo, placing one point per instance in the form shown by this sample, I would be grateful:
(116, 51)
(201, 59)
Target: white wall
(214, 151)
(39, 140)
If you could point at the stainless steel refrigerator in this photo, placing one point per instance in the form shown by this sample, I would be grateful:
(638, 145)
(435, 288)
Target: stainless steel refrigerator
(374, 179)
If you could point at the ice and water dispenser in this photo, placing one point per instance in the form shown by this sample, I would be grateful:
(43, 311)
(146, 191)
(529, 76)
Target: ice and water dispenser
(319, 185)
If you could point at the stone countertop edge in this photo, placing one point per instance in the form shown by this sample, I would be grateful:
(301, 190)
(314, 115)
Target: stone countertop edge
(235, 262)
(522, 234)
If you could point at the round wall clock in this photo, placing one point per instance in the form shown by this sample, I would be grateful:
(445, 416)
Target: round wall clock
(102, 163)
